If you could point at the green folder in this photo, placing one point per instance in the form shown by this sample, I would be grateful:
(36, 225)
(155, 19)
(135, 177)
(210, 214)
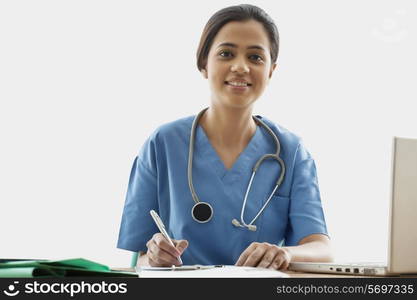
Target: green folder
(77, 267)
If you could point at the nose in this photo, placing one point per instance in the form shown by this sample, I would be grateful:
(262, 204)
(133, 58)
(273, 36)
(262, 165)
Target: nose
(239, 66)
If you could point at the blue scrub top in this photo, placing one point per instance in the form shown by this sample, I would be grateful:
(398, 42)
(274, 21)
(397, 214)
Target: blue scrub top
(158, 181)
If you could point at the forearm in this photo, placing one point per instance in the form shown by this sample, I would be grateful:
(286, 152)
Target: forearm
(315, 251)
(142, 259)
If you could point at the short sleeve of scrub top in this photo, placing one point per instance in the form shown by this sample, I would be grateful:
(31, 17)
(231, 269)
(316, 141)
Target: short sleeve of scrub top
(158, 181)
(142, 195)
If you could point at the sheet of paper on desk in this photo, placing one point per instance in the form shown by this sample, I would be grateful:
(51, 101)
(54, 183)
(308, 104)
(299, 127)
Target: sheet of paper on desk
(209, 272)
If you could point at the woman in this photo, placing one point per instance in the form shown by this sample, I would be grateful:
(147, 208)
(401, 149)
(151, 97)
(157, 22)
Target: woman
(209, 159)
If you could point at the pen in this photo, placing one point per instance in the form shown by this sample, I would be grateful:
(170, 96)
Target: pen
(161, 228)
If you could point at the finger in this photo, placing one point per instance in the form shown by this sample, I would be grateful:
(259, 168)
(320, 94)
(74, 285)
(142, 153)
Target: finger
(279, 262)
(268, 258)
(161, 260)
(159, 255)
(245, 254)
(285, 259)
(285, 265)
(165, 245)
(152, 254)
(275, 264)
(181, 245)
(153, 263)
(255, 257)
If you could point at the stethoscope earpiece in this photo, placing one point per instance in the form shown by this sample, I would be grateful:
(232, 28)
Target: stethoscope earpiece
(236, 223)
(252, 227)
(249, 226)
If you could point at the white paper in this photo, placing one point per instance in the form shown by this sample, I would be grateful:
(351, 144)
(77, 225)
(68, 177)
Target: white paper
(223, 272)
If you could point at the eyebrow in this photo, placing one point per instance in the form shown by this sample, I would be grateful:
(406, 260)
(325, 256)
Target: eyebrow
(235, 46)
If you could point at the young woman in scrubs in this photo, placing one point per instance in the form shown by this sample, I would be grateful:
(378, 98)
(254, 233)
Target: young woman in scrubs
(237, 55)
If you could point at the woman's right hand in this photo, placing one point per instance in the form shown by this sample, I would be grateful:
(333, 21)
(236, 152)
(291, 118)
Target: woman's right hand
(162, 254)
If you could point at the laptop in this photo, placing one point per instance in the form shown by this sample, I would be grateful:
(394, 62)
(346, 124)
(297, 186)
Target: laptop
(402, 240)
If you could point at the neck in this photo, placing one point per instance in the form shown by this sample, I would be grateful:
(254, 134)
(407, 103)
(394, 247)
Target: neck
(229, 127)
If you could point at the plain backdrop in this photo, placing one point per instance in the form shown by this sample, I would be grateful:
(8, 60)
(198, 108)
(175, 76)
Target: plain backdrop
(83, 83)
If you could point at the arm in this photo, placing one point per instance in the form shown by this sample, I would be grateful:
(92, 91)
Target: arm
(312, 248)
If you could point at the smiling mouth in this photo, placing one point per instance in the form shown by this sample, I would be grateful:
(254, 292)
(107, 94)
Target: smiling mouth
(238, 83)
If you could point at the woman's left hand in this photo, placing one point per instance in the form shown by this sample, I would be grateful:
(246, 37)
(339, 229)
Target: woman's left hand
(265, 255)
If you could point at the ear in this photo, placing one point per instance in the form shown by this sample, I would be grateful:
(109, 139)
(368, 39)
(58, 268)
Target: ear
(272, 70)
(204, 72)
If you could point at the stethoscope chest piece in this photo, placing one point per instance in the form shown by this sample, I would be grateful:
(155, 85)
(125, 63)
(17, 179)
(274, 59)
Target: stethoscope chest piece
(202, 212)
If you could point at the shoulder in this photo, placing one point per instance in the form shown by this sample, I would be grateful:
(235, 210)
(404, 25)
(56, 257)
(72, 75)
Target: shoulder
(169, 134)
(288, 139)
(178, 130)
(167, 138)
(292, 145)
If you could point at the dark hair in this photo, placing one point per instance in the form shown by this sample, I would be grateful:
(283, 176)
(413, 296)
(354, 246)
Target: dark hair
(241, 12)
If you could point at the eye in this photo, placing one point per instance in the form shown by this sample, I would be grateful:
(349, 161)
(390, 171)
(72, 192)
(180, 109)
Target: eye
(256, 58)
(225, 53)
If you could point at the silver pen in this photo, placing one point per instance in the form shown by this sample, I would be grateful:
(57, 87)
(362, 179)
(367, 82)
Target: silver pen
(161, 228)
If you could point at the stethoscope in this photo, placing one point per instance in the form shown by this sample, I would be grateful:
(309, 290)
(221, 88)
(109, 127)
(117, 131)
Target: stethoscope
(202, 212)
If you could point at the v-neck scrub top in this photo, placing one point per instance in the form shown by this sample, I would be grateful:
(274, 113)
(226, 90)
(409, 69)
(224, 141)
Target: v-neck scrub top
(158, 181)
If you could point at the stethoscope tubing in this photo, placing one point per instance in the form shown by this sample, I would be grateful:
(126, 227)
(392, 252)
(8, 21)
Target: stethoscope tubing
(274, 156)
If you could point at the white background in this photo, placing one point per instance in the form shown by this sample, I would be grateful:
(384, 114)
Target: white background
(83, 83)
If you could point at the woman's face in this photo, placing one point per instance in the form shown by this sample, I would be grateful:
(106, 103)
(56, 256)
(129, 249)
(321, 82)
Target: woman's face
(239, 64)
